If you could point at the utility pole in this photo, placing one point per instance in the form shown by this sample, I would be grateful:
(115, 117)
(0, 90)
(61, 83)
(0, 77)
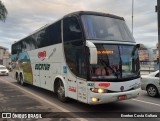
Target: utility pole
(158, 18)
(132, 14)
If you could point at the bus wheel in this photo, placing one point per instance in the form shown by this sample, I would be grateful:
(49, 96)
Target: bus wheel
(61, 92)
(21, 80)
(17, 78)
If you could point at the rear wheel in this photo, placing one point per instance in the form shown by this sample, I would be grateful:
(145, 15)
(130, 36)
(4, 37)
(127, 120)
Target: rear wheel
(152, 91)
(21, 80)
(17, 78)
(61, 92)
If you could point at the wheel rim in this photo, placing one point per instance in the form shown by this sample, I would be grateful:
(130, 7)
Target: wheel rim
(152, 91)
(61, 91)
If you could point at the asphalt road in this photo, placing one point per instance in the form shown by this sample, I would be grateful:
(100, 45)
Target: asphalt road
(16, 98)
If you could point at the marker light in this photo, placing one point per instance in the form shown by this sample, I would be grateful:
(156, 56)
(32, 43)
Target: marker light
(94, 99)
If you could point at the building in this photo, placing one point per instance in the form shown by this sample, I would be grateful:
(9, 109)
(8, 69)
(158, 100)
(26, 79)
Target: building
(4, 56)
(148, 59)
(147, 54)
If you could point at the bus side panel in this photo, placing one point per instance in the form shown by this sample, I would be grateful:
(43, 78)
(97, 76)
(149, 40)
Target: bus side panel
(51, 65)
(47, 77)
(35, 62)
(22, 64)
(25, 67)
(46, 65)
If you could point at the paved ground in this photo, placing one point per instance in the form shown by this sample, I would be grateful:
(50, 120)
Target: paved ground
(15, 100)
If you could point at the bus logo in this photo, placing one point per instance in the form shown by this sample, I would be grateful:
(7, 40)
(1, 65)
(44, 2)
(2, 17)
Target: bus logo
(122, 88)
(42, 55)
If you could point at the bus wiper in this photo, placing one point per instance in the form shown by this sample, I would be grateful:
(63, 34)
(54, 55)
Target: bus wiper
(107, 65)
(120, 67)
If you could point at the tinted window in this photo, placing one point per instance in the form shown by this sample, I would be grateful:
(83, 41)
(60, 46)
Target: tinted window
(45, 37)
(71, 29)
(115, 62)
(51, 35)
(106, 28)
(73, 46)
(16, 48)
(13, 49)
(29, 43)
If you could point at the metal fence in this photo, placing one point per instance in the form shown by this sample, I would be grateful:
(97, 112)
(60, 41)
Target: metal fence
(147, 67)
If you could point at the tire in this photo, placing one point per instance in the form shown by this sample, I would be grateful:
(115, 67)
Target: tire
(61, 92)
(152, 91)
(21, 80)
(17, 78)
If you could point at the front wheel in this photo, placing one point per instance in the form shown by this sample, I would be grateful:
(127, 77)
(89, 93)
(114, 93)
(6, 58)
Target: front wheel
(152, 91)
(61, 92)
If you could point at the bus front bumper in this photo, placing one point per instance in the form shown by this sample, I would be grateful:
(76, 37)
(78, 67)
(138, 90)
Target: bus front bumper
(102, 98)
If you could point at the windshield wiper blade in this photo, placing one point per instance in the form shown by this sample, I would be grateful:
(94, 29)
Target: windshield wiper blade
(116, 74)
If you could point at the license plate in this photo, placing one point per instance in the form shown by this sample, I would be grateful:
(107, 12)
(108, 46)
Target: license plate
(122, 97)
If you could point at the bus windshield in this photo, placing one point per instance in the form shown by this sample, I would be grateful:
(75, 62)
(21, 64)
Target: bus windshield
(106, 28)
(115, 62)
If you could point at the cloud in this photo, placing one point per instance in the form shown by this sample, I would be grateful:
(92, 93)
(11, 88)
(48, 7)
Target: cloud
(26, 16)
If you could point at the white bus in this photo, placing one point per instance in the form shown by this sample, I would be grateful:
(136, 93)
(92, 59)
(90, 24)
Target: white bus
(87, 56)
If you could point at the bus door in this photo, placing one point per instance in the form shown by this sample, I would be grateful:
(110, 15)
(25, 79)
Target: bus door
(76, 77)
(82, 90)
(74, 53)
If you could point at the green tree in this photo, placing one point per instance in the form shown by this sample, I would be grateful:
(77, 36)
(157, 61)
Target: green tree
(3, 12)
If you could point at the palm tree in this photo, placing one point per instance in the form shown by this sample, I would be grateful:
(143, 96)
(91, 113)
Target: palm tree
(3, 12)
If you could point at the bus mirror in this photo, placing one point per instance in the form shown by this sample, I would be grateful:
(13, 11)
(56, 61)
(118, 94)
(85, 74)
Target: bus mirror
(92, 52)
(138, 46)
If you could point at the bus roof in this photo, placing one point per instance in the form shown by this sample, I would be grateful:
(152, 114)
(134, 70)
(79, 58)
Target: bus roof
(78, 13)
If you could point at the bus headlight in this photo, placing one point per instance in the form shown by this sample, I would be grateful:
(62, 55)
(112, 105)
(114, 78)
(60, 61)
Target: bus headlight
(98, 90)
(94, 99)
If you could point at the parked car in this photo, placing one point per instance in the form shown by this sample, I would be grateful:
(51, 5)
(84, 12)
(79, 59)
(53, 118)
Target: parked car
(151, 83)
(3, 70)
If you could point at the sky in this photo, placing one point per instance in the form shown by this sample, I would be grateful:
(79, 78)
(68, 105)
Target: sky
(26, 16)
